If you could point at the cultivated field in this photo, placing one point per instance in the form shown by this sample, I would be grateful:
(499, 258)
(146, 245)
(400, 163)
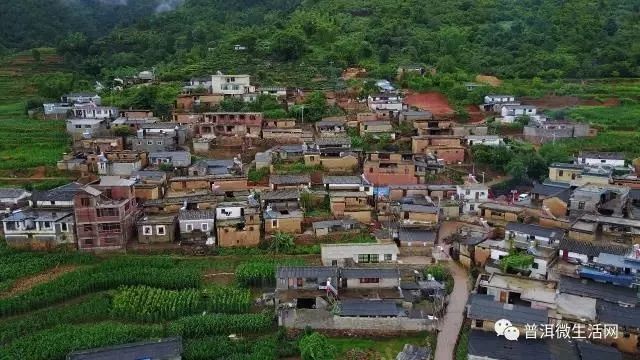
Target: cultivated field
(435, 102)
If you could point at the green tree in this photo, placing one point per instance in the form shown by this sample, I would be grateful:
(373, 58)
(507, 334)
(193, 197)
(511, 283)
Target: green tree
(281, 242)
(36, 55)
(517, 169)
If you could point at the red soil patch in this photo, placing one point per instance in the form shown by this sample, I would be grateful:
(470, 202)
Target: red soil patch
(432, 101)
(475, 115)
(39, 173)
(25, 284)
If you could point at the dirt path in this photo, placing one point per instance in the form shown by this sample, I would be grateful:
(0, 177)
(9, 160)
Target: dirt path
(449, 328)
(24, 284)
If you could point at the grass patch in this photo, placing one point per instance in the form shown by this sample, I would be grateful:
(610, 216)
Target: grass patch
(462, 346)
(386, 348)
(608, 141)
(624, 117)
(29, 143)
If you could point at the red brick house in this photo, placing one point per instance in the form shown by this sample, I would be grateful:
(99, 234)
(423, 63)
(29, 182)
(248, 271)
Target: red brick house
(106, 214)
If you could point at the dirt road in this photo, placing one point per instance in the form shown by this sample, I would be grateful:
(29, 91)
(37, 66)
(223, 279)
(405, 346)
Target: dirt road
(450, 326)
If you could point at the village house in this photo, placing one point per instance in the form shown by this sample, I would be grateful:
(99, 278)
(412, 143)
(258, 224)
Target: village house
(593, 227)
(197, 226)
(39, 229)
(280, 199)
(92, 111)
(81, 98)
(117, 163)
(334, 154)
(289, 153)
(585, 251)
(136, 114)
(415, 214)
(237, 124)
(597, 158)
(351, 204)
(57, 111)
(169, 205)
(608, 200)
(149, 184)
(464, 246)
(58, 198)
(471, 196)
(416, 240)
(330, 127)
(231, 85)
(347, 183)
(552, 130)
(377, 128)
(509, 113)
(397, 192)
(176, 159)
(195, 102)
(86, 128)
(283, 130)
(386, 168)
(283, 220)
(388, 104)
(449, 148)
(277, 182)
(12, 197)
(154, 229)
(493, 102)
(220, 168)
(484, 311)
(277, 91)
(364, 253)
(486, 140)
(565, 173)
(513, 289)
(549, 190)
(134, 124)
(238, 224)
(498, 214)
(106, 214)
(324, 228)
(153, 142)
(99, 145)
(355, 278)
(425, 124)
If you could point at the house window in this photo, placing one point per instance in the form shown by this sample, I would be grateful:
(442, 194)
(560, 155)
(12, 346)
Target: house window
(110, 227)
(46, 224)
(369, 280)
(189, 227)
(472, 207)
(149, 142)
(78, 126)
(274, 223)
(534, 265)
(467, 192)
(363, 258)
(388, 257)
(334, 262)
(88, 228)
(88, 242)
(581, 205)
(374, 258)
(147, 230)
(479, 323)
(85, 202)
(64, 227)
(161, 230)
(204, 227)
(561, 173)
(159, 142)
(106, 212)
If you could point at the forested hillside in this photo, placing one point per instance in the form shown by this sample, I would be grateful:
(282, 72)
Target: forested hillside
(508, 38)
(31, 23)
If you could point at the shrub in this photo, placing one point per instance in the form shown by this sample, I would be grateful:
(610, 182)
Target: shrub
(316, 347)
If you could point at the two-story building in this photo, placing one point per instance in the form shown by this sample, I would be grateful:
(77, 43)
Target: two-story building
(197, 226)
(331, 127)
(278, 182)
(351, 204)
(598, 158)
(365, 253)
(237, 224)
(178, 159)
(509, 113)
(472, 195)
(377, 128)
(41, 229)
(385, 168)
(231, 85)
(154, 229)
(448, 148)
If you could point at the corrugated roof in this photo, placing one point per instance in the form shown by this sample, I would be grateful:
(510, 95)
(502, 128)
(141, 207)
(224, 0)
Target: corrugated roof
(484, 307)
(197, 214)
(356, 307)
(381, 273)
(289, 179)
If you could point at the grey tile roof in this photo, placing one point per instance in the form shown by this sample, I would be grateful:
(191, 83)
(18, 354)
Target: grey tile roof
(320, 272)
(37, 215)
(289, 179)
(343, 180)
(11, 193)
(331, 223)
(411, 187)
(197, 214)
(149, 175)
(591, 248)
(157, 219)
(168, 348)
(381, 273)
(357, 307)
(485, 344)
(284, 194)
(537, 230)
(284, 214)
(484, 307)
(601, 155)
(609, 313)
(333, 141)
(62, 193)
(173, 155)
(549, 190)
(411, 235)
(596, 290)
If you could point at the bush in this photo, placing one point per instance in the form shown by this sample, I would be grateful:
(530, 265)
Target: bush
(316, 347)
(442, 274)
(257, 175)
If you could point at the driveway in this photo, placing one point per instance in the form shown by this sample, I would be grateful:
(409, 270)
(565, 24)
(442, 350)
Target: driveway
(450, 326)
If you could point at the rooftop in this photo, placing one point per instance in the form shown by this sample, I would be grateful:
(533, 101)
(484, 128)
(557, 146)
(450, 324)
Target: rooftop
(357, 307)
(530, 289)
(610, 220)
(11, 193)
(610, 313)
(420, 208)
(416, 235)
(174, 155)
(501, 207)
(366, 272)
(591, 248)
(61, 193)
(601, 155)
(289, 179)
(115, 181)
(536, 230)
(343, 180)
(319, 272)
(85, 121)
(157, 219)
(196, 214)
(596, 290)
(484, 307)
(38, 215)
(332, 223)
(333, 141)
(167, 348)
(284, 194)
(486, 345)
(283, 214)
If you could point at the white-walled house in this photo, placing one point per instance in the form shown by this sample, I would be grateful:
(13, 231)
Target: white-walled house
(509, 113)
(472, 195)
(366, 253)
(39, 228)
(200, 222)
(231, 84)
(386, 103)
(92, 111)
(347, 183)
(600, 158)
(488, 140)
(498, 99)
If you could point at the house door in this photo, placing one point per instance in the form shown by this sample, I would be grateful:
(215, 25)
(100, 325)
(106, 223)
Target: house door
(503, 296)
(344, 283)
(565, 255)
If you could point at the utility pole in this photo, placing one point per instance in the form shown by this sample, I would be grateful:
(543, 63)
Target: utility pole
(303, 114)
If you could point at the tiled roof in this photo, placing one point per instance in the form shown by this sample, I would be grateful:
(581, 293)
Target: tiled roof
(536, 230)
(289, 179)
(596, 290)
(11, 193)
(591, 248)
(319, 272)
(62, 193)
(486, 345)
(284, 194)
(357, 307)
(484, 307)
(602, 155)
(197, 214)
(37, 215)
(342, 180)
(610, 313)
(333, 141)
(416, 235)
(382, 273)
(330, 223)
(420, 208)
